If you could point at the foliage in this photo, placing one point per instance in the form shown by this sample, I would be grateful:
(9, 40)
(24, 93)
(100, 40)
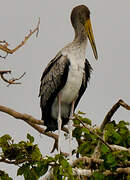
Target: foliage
(32, 165)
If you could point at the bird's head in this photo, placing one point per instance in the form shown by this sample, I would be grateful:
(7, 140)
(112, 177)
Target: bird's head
(80, 19)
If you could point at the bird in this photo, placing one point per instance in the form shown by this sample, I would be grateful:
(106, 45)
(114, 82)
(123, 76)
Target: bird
(65, 78)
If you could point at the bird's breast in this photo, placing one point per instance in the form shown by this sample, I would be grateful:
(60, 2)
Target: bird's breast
(73, 84)
(70, 91)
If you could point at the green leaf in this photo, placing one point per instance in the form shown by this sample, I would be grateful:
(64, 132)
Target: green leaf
(104, 149)
(42, 167)
(81, 113)
(128, 177)
(36, 154)
(30, 138)
(98, 176)
(110, 161)
(23, 169)
(77, 132)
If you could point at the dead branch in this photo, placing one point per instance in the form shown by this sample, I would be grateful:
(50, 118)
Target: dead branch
(112, 111)
(10, 81)
(107, 119)
(4, 44)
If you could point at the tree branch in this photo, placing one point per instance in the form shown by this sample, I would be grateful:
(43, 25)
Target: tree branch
(35, 123)
(4, 44)
(90, 130)
(107, 119)
(88, 173)
(119, 148)
(87, 160)
(112, 111)
(29, 120)
(17, 115)
(15, 162)
(10, 81)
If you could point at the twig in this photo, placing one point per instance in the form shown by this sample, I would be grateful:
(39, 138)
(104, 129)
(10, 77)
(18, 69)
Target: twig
(10, 81)
(96, 135)
(15, 162)
(27, 37)
(55, 146)
(4, 57)
(4, 47)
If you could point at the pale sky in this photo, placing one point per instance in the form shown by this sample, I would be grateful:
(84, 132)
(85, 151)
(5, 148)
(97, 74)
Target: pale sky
(110, 79)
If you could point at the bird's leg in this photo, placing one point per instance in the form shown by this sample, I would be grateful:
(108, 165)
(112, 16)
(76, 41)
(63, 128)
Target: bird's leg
(70, 125)
(59, 123)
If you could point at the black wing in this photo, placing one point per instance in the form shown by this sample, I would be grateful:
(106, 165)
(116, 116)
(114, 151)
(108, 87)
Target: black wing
(54, 77)
(53, 80)
(86, 77)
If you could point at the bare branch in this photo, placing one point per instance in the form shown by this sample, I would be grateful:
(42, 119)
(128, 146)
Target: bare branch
(4, 44)
(10, 81)
(112, 111)
(28, 36)
(4, 57)
(107, 119)
(17, 115)
(28, 119)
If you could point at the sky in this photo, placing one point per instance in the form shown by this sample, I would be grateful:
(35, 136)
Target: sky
(110, 80)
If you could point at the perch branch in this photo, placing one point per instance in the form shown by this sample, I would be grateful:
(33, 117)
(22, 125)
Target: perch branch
(42, 131)
(17, 115)
(35, 123)
(10, 81)
(28, 119)
(4, 44)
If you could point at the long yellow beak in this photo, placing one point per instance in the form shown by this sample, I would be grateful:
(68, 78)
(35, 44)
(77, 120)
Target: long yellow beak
(88, 28)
